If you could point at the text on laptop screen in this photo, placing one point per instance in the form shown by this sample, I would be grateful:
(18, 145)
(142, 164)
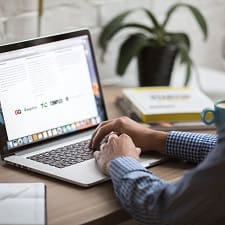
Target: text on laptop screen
(49, 90)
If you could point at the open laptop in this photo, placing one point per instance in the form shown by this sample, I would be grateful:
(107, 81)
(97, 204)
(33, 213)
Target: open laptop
(51, 100)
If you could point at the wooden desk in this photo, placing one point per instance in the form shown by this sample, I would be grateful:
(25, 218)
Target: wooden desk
(69, 204)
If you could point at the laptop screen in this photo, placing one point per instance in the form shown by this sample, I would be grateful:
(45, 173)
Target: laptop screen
(49, 87)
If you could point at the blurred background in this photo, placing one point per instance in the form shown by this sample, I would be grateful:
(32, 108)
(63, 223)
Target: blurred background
(23, 19)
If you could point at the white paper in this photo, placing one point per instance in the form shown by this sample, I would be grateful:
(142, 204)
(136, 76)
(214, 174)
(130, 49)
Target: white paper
(22, 203)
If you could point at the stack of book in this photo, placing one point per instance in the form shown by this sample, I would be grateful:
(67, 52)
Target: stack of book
(166, 107)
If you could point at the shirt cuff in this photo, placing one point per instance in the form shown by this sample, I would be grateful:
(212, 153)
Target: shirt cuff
(121, 166)
(193, 147)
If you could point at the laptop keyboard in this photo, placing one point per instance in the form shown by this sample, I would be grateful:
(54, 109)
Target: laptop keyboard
(66, 155)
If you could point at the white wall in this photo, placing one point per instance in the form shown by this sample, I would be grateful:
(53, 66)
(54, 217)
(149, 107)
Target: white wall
(18, 21)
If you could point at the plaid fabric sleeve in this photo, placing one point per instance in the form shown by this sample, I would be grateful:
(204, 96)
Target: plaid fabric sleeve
(147, 197)
(189, 146)
(137, 188)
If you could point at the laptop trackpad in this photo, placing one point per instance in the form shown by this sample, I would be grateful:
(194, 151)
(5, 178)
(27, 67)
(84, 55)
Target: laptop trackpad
(85, 173)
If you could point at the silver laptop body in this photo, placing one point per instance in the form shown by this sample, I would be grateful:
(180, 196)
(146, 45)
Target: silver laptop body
(51, 98)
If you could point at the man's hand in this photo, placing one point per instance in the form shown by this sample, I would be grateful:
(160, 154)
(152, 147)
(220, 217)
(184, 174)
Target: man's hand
(115, 146)
(143, 137)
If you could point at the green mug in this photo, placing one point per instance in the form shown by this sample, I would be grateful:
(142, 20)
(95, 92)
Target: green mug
(215, 116)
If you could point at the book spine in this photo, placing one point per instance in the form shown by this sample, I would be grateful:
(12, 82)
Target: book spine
(124, 106)
(173, 117)
(131, 108)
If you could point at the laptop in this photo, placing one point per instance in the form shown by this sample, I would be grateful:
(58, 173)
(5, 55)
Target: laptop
(51, 102)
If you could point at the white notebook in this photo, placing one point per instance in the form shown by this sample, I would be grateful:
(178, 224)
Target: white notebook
(23, 204)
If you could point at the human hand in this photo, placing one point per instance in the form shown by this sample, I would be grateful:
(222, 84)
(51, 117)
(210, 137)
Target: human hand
(143, 137)
(115, 146)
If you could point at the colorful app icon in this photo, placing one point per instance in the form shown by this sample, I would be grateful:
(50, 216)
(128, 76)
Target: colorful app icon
(15, 143)
(59, 130)
(73, 127)
(25, 140)
(20, 141)
(68, 128)
(40, 136)
(49, 133)
(35, 137)
(45, 135)
(54, 132)
(30, 139)
(64, 129)
(93, 121)
(82, 123)
(9, 144)
(77, 125)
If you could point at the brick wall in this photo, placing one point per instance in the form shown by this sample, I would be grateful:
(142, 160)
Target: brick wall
(18, 21)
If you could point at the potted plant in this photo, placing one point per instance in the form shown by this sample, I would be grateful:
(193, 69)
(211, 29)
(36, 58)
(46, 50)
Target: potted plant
(155, 47)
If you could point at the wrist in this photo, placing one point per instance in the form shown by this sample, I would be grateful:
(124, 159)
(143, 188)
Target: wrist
(157, 141)
(162, 137)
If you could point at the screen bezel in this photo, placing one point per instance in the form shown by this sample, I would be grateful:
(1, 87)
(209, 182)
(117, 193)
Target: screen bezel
(44, 40)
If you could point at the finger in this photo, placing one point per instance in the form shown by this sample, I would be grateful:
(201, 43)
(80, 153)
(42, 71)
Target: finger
(97, 155)
(100, 125)
(112, 137)
(102, 146)
(138, 150)
(100, 134)
(96, 130)
(125, 136)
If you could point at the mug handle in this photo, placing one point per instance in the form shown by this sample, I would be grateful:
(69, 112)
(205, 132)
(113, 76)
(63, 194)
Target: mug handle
(204, 114)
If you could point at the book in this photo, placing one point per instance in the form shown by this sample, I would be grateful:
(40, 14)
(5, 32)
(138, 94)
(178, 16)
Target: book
(166, 104)
(163, 126)
(23, 203)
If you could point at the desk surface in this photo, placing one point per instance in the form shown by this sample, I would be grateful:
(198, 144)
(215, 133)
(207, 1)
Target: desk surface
(69, 204)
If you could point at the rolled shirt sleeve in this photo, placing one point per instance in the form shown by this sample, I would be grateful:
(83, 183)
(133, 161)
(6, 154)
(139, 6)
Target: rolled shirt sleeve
(193, 147)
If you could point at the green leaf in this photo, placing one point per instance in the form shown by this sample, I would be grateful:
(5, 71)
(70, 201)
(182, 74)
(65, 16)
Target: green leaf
(185, 58)
(179, 38)
(200, 19)
(114, 26)
(169, 13)
(188, 73)
(131, 25)
(130, 48)
(111, 28)
(196, 13)
(152, 18)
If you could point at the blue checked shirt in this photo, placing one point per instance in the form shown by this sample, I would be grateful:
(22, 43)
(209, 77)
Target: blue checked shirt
(197, 198)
